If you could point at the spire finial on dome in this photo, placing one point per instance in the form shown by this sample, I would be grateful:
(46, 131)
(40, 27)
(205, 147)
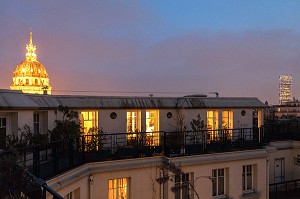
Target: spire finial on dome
(30, 40)
(31, 49)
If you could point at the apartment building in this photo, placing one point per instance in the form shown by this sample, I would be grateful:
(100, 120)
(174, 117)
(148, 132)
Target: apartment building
(230, 158)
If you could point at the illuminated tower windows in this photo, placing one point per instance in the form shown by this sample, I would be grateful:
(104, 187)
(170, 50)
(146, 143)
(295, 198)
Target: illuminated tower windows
(285, 89)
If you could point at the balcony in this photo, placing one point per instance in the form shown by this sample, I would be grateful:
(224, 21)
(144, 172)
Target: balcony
(285, 190)
(56, 157)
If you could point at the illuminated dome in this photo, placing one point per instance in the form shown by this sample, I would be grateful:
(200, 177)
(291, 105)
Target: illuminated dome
(31, 76)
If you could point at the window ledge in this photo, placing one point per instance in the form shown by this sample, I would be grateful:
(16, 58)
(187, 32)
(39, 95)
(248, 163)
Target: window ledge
(220, 197)
(250, 195)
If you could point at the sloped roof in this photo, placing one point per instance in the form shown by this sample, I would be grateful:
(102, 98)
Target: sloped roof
(16, 100)
(19, 100)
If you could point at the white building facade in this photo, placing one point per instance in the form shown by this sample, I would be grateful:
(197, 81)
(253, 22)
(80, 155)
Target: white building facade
(239, 173)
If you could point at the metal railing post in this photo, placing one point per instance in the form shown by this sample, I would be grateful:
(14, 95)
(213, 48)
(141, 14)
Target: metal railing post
(165, 143)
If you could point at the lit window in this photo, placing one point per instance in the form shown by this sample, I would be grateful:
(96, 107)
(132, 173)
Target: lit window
(133, 121)
(212, 124)
(118, 188)
(227, 123)
(247, 181)
(36, 123)
(152, 127)
(89, 119)
(227, 119)
(218, 181)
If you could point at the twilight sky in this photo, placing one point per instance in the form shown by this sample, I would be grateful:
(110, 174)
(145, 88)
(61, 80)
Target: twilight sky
(169, 48)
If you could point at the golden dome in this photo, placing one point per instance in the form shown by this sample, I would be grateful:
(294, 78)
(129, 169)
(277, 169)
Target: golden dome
(30, 69)
(31, 76)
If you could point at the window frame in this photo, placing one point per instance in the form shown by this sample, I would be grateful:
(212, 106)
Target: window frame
(93, 119)
(137, 118)
(228, 120)
(245, 179)
(116, 189)
(3, 122)
(212, 116)
(73, 194)
(152, 131)
(216, 180)
(36, 123)
(183, 181)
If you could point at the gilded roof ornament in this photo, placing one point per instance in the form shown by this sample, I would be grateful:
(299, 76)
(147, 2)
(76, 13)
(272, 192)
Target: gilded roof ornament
(31, 50)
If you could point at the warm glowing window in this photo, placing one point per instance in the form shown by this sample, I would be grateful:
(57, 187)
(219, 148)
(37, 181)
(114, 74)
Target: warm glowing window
(152, 127)
(133, 121)
(27, 81)
(218, 182)
(212, 124)
(227, 119)
(227, 122)
(89, 119)
(118, 188)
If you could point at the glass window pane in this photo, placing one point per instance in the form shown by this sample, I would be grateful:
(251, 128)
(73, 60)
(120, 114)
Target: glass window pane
(243, 182)
(4, 122)
(221, 172)
(249, 181)
(220, 186)
(225, 114)
(118, 188)
(214, 190)
(214, 173)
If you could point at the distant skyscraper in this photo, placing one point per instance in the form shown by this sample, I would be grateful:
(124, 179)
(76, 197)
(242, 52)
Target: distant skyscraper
(30, 76)
(285, 89)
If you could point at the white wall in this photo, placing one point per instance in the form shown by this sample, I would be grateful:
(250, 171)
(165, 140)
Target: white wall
(52, 116)
(143, 173)
(287, 150)
(240, 121)
(118, 125)
(109, 125)
(25, 118)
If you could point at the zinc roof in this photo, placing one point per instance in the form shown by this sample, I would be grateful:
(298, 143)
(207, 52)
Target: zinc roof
(19, 100)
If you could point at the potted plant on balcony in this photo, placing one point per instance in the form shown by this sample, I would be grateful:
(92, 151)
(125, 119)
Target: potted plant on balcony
(131, 146)
(175, 140)
(95, 142)
(196, 137)
(68, 127)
